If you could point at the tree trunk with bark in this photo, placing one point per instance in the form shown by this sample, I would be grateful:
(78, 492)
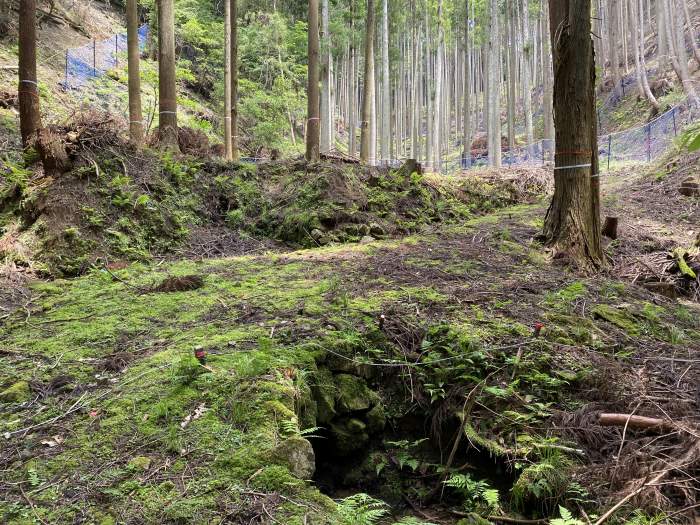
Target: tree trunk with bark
(167, 86)
(572, 225)
(313, 126)
(28, 88)
(134, 59)
(228, 144)
(235, 155)
(368, 86)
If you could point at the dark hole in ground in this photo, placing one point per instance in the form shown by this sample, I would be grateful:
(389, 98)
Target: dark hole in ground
(381, 468)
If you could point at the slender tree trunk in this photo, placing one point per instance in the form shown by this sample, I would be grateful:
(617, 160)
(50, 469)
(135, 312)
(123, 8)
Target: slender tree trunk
(313, 126)
(386, 89)
(637, 13)
(691, 32)
(352, 86)
(527, 85)
(548, 94)
(438, 98)
(326, 107)
(368, 85)
(235, 155)
(467, 109)
(134, 58)
(167, 86)
(572, 224)
(228, 144)
(494, 87)
(676, 48)
(663, 57)
(28, 89)
(509, 40)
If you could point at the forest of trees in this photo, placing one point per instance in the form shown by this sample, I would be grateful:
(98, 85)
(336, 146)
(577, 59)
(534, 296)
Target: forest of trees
(427, 79)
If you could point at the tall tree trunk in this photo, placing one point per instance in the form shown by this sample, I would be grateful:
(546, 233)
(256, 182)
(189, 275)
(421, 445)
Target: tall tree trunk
(386, 89)
(691, 32)
(228, 144)
(167, 86)
(438, 98)
(368, 86)
(313, 126)
(467, 109)
(134, 58)
(663, 51)
(509, 41)
(572, 224)
(352, 86)
(28, 89)
(326, 107)
(548, 96)
(235, 155)
(637, 28)
(676, 48)
(494, 87)
(527, 85)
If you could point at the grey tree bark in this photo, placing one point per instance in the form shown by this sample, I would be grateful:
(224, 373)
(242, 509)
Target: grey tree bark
(134, 59)
(313, 125)
(368, 86)
(167, 86)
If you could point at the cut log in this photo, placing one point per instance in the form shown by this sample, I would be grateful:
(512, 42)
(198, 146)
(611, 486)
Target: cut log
(636, 422)
(610, 227)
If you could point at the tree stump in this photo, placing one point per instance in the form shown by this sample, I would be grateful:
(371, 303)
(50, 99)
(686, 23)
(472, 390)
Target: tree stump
(610, 227)
(52, 151)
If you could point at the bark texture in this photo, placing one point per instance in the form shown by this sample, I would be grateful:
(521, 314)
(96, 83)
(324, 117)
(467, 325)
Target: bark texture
(28, 89)
(572, 224)
(313, 126)
(134, 58)
(167, 87)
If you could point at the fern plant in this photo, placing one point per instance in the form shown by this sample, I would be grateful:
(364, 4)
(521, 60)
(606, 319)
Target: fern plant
(566, 518)
(478, 494)
(361, 509)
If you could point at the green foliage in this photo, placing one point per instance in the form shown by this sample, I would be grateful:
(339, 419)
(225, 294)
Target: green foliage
(361, 509)
(477, 494)
(566, 518)
(690, 138)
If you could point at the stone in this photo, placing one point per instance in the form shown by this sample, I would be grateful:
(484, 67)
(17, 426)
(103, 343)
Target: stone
(353, 394)
(367, 239)
(139, 464)
(324, 395)
(19, 392)
(297, 454)
(363, 229)
(376, 419)
(319, 237)
(348, 438)
(376, 230)
(661, 288)
(355, 426)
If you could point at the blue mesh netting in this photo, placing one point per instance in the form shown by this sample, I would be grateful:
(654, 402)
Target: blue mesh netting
(96, 58)
(642, 144)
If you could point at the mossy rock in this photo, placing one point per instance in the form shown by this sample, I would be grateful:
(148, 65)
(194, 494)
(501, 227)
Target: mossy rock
(297, 454)
(353, 394)
(324, 394)
(620, 317)
(376, 419)
(349, 436)
(19, 392)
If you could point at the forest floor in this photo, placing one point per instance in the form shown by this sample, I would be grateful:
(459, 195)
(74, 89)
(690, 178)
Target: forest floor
(374, 352)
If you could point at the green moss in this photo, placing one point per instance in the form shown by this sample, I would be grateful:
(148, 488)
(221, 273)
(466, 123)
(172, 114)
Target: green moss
(16, 393)
(620, 317)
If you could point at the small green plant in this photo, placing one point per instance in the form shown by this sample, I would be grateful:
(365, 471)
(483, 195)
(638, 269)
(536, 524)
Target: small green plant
(566, 518)
(478, 494)
(361, 509)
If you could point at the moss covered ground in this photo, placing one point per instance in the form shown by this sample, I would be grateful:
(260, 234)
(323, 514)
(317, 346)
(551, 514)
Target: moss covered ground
(108, 417)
